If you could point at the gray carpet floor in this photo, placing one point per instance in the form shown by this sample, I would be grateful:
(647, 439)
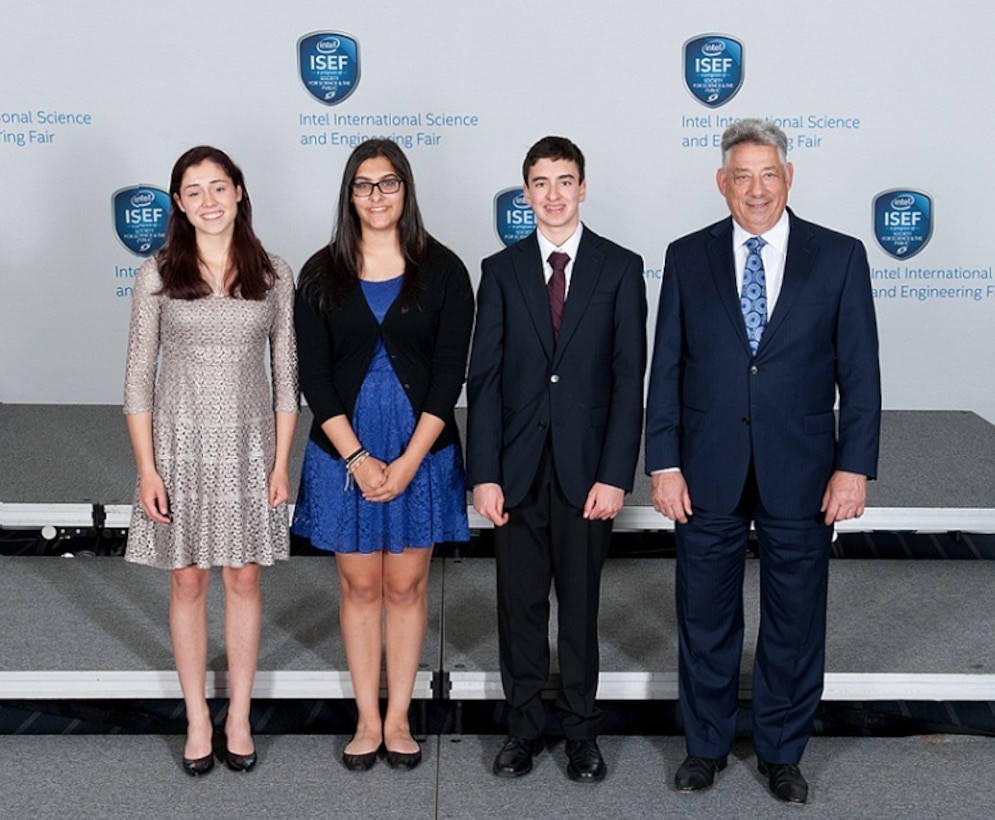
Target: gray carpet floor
(300, 777)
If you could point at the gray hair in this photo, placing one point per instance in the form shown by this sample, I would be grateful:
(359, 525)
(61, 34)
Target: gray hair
(758, 132)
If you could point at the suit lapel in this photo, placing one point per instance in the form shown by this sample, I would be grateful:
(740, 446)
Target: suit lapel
(723, 267)
(583, 277)
(797, 269)
(531, 281)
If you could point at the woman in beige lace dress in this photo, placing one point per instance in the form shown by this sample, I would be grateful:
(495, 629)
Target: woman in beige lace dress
(211, 428)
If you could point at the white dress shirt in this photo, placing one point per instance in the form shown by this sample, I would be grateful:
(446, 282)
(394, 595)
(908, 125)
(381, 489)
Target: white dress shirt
(773, 254)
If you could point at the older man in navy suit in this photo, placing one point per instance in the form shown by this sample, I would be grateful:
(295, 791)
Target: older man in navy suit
(555, 408)
(763, 320)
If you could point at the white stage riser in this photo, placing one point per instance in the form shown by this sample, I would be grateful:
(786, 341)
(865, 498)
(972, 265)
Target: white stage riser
(470, 686)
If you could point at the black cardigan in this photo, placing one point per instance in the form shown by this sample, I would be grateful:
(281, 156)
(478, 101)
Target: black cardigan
(427, 344)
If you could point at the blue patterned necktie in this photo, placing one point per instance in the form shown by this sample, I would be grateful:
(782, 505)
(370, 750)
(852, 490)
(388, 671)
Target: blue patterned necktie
(753, 299)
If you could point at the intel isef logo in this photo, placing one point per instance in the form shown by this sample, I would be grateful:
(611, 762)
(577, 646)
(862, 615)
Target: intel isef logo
(329, 65)
(713, 68)
(140, 218)
(903, 221)
(513, 216)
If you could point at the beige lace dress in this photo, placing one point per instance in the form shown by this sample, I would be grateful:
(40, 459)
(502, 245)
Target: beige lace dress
(200, 368)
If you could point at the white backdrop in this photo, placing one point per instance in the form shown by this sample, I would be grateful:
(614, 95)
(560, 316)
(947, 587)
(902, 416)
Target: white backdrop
(136, 84)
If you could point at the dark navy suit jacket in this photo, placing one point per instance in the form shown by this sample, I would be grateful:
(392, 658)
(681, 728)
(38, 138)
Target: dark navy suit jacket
(712, 406)
(586, 391)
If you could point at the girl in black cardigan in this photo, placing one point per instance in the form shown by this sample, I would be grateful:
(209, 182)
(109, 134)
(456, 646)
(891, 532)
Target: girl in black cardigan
(384, 315)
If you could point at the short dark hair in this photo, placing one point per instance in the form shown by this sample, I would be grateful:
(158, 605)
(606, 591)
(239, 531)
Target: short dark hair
(553, 148)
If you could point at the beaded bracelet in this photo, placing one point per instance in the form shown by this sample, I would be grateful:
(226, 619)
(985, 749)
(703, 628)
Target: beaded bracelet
(356, 457)
(352, 463)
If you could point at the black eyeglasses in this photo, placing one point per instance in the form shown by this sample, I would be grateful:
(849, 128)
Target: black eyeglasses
(387, 186)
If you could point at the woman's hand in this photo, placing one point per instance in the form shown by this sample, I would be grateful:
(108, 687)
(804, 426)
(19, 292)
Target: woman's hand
(369, 475)
(279, 486)
(152, 496)
(397, 477)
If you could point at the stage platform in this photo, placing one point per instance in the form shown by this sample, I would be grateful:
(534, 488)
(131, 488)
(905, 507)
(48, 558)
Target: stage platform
(96, 629)
(78, 628)
(70, 466)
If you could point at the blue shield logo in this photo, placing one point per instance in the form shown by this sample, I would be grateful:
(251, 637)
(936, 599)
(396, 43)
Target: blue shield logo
(513, 216)
(329, 65)
(140, 218)
(713, 68)
(903, 221)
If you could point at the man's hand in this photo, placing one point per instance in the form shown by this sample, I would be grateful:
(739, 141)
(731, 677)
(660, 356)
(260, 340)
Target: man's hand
(844, 497)
(488, 501)
(603, 502)
(670, 495)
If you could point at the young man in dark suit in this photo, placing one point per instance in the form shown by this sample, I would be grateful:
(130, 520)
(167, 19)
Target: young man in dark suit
(555, 394)
(763, 319)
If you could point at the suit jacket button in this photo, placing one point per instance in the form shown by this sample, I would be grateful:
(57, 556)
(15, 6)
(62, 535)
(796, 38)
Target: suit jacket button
(746, 419)
(554, 378)
(754, 370)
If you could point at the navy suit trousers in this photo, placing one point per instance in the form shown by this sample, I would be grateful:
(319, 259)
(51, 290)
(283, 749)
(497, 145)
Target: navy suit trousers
(790, 656)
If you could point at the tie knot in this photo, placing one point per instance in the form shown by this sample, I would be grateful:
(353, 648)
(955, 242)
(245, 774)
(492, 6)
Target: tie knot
(558, 260)
(755, 243)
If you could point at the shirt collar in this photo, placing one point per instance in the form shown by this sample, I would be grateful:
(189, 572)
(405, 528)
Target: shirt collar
(569, 247)
(776, 237)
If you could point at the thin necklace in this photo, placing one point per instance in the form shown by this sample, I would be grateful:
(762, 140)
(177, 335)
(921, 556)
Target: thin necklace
(215, 280)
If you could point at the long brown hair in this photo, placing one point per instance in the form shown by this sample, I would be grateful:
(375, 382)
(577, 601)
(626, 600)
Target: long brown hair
(334, 271)
(179, 264)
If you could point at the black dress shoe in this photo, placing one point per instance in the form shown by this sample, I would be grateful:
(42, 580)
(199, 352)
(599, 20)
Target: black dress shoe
(697, 773)
(197, 766)
(584, 761)
(785, 781)
(515, 757)
(402, 760)
(240, 763)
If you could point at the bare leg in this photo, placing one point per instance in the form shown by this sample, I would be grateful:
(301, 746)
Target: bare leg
(406, 604)
(188, 630)
(243, 618)
(360, 615)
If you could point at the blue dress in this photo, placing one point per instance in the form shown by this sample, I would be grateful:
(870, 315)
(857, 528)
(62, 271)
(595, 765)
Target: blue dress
(431, 509)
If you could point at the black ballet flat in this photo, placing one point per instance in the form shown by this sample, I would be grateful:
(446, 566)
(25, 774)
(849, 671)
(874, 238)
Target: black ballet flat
(361, 763)
(197, 766)
(240, 763)
(402, 760)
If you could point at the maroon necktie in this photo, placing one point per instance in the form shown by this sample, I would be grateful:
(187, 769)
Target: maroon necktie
(557, 288)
